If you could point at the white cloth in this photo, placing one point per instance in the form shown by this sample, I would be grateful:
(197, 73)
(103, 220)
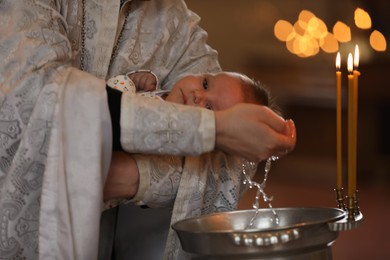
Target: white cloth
(75, 171)
(192, 185)
(55, 133)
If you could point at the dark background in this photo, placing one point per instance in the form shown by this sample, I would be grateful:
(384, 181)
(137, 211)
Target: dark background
(242, 32)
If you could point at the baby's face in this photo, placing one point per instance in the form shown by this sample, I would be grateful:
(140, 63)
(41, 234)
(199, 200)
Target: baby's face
(213, 91)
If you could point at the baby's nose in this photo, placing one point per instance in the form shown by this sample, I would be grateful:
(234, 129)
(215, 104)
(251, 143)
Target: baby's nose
(199, 99)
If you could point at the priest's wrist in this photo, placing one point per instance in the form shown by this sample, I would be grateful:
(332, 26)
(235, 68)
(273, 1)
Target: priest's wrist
(123, 178)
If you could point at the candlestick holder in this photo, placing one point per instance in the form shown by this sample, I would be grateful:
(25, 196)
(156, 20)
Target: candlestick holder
(356, 204)
(353, 218)
(340, 198)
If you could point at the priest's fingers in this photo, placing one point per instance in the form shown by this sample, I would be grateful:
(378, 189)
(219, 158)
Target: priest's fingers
(282, 143)
(253, 132)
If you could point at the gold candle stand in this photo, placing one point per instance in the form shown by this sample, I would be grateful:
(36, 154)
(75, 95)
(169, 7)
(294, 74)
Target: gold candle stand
(350, 205)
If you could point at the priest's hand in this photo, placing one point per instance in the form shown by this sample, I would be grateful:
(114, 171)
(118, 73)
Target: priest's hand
(123, 178)
(254, 132)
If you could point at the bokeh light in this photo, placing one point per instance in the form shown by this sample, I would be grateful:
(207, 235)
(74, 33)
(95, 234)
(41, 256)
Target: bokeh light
(317, 28)
(303, 37)
(342, 32)
(283, 30)
(362, 19)
(305, 16)
(309, 34)
(329, 43)
(378, 41)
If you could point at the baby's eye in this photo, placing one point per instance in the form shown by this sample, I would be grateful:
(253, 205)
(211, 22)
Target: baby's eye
(205, 84)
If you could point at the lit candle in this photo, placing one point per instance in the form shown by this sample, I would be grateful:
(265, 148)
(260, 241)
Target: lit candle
(350, 127)
(356, 74)
(338, 124)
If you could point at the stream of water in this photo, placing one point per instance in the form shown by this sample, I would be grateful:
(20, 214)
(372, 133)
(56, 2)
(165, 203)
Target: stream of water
(260, 193)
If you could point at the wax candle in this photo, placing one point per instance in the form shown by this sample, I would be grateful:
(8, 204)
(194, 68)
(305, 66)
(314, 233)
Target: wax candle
(350, 127)
(356, 74)
(339, 183)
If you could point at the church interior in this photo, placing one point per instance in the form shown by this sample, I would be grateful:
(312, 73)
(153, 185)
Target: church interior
(303, 83)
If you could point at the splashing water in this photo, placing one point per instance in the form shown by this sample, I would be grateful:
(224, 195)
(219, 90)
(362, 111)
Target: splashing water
(260, 190)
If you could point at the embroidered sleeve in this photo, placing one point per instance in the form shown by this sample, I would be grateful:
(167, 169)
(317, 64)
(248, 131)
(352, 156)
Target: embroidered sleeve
(159, 179)
(153, 126)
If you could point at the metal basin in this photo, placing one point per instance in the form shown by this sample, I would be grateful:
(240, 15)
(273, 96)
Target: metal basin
(302, 233)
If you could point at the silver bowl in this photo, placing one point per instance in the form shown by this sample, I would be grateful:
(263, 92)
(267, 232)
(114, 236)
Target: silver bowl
(302, 233)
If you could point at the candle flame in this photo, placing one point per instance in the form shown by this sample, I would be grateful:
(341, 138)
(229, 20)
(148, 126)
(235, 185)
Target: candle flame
(338, 61)
(356, 57)
(350, 63)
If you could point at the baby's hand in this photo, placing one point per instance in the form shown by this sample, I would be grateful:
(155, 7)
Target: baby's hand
(143, 80)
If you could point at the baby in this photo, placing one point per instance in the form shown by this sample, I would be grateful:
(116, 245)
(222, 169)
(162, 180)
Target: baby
(212, 91)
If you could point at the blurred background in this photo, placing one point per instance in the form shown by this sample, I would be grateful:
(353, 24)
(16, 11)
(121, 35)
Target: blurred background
(265, 39)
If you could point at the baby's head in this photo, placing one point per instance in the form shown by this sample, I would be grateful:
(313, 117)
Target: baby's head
(218, 91)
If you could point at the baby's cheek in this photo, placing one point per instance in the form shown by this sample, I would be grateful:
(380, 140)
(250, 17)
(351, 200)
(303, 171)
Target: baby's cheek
(175, 97)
